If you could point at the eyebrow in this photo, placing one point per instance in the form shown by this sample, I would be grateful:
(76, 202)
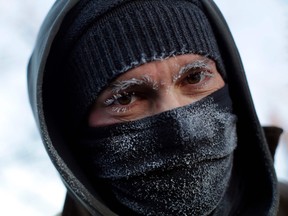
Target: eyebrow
(203, 63)
(125, 84)
(121, 85)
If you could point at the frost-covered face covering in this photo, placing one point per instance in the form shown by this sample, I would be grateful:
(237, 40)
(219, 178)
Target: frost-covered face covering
(177, 162)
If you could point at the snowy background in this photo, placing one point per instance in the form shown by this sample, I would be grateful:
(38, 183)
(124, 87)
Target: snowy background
(29, 184)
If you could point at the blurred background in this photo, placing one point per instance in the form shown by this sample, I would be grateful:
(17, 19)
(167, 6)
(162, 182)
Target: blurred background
(29, 184)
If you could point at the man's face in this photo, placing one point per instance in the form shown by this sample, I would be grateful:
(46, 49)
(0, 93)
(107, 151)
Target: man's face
(155, 87)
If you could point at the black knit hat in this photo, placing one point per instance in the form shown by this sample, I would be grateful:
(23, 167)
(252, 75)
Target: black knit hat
(103, 39)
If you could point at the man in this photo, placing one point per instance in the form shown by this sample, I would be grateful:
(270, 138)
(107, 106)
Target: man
(144, 109)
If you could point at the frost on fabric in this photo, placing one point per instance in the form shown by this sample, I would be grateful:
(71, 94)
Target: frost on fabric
(175, 163)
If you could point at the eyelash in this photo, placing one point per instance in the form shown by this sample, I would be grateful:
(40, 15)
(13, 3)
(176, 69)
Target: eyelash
(205, 76)
(119, 108)
(111, 100)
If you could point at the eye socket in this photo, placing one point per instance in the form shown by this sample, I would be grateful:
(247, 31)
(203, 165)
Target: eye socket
(196, 77)
(125, 98)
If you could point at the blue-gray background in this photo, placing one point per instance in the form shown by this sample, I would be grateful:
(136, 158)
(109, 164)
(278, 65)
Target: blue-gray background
(29, 184)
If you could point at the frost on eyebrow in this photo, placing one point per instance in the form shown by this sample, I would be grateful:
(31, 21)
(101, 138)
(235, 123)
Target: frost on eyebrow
(194, 65)
(124, 84)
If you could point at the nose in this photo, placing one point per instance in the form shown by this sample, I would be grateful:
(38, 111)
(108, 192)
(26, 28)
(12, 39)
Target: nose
(170, 100)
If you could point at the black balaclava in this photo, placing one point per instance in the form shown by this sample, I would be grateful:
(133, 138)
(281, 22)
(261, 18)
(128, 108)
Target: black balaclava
(178, 162)
(147, 171)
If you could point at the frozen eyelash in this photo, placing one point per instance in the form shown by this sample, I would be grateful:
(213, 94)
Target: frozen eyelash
(111, 100)
(119, 109)
(207, 74)
(122, 85)
(195, 65)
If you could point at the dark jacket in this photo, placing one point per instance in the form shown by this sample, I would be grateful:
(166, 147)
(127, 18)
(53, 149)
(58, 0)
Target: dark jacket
(272, 134)
(253, 164)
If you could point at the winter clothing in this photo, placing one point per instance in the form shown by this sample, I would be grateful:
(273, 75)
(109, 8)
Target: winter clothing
(163, 159)
(54, 81)
(283, 207)
(104, 45)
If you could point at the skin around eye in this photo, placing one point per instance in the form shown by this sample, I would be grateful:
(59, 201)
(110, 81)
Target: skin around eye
(198, 77)
(121, 102)
(124, 98)
(156, 87)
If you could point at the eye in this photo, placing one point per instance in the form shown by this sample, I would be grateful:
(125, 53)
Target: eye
(124, 98)
(196, 77)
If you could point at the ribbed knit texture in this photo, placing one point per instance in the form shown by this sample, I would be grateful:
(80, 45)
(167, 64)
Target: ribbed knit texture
(102, 46)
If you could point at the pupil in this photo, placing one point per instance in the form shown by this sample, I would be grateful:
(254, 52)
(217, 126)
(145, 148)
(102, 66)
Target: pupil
(125, 99)
(194, 78)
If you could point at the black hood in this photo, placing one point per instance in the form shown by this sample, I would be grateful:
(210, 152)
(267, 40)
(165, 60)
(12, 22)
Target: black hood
(253, 163)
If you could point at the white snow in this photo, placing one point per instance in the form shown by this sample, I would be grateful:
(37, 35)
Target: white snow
(260, 29)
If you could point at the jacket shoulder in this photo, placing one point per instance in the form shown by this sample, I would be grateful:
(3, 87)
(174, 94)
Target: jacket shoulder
(272, 135)
(73, 208)
(283, 206)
